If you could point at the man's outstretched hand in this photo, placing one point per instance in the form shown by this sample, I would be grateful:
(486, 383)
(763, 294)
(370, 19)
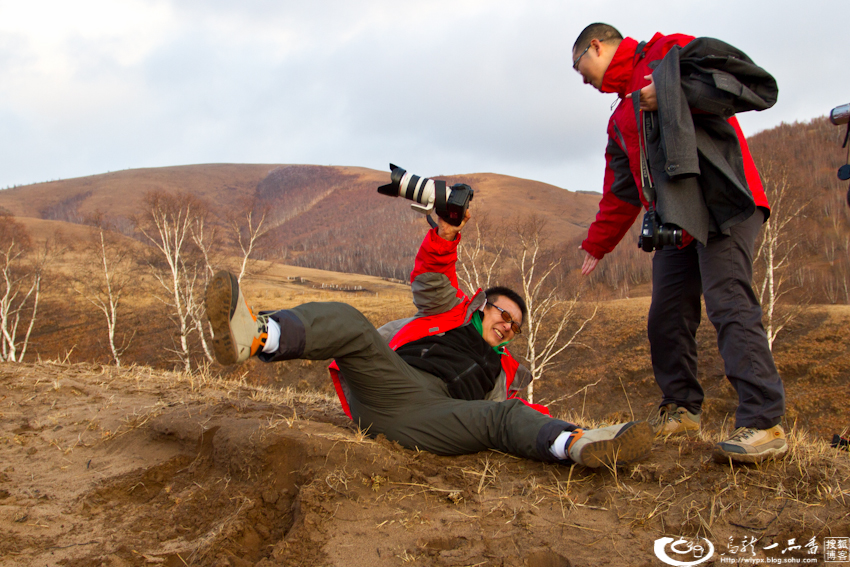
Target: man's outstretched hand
(589, 264)
(448, 231)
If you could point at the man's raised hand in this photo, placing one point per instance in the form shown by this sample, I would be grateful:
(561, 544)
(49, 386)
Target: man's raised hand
(449, 232)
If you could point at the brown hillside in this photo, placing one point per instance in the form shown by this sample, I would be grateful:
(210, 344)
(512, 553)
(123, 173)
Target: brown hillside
(322, 217)
(806, 156)
(120, 193)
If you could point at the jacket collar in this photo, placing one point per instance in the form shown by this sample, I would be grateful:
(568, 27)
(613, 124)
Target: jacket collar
(618, 76)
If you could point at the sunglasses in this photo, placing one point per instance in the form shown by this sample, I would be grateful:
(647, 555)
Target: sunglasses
(506, 317)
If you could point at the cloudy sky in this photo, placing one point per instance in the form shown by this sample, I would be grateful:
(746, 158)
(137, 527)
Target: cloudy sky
(438, 87)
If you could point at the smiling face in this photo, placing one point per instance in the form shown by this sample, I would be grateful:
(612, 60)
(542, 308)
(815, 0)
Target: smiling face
(495, 329)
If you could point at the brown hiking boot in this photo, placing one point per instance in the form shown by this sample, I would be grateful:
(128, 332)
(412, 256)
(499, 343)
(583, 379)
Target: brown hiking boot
(751, 445)
(237, 333)
(612, 445)
(671, 420)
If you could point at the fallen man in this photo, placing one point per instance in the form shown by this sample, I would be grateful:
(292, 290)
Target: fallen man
(441, 381)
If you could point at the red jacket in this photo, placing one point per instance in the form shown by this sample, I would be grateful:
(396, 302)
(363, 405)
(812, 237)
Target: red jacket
(442, 306)
(622, 198)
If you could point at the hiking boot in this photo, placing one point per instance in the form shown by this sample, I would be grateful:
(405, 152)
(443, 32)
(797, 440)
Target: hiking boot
(612, 445)
(751, 445)
(237, 333)
(672, 420)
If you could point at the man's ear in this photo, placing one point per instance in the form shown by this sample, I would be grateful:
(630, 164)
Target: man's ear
(596, 47)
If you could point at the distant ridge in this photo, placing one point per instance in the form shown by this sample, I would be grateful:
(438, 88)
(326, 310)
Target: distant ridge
(327, 217)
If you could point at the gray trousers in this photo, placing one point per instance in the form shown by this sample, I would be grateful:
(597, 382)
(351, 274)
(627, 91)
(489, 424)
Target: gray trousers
(407, 405)
(722, 271)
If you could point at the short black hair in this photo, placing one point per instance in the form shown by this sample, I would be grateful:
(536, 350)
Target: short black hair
(498, 291)
(599, 31)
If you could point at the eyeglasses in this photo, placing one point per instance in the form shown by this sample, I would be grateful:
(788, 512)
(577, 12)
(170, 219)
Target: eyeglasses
(575, 63)
(506, 317)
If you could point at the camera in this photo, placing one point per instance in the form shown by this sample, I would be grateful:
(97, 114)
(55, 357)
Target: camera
(450, 203)
(838, 116)
(654, 235)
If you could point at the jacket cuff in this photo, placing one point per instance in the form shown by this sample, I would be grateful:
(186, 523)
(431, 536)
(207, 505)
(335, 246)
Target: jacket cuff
(592, 249)
(440, 244)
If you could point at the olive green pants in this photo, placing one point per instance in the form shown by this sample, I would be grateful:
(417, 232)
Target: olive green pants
(407, 405)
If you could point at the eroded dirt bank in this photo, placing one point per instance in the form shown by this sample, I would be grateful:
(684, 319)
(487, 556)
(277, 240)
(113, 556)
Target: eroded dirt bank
(119, 467)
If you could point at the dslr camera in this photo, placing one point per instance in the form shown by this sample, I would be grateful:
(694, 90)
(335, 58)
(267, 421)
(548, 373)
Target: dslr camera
(654, 235)
(838, 116)
(450, 203)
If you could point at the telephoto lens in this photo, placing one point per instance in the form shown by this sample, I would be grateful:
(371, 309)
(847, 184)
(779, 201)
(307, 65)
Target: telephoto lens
(840, 114)
(450, 203)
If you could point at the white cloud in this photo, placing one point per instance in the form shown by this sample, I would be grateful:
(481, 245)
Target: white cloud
(446, 86)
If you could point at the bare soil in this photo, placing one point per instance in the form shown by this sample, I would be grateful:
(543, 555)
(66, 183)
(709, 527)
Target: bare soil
(120, 467)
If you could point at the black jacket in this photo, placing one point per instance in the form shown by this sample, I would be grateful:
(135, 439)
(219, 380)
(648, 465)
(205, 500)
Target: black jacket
(693, 152)
(460, 357)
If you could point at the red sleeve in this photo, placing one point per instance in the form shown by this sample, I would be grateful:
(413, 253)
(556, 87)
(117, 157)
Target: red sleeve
(621, 198)
(613, 221)
(618, 208)
(750, 171)
(436, 254)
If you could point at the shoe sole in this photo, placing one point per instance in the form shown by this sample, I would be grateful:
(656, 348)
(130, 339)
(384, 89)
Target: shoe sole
(633, 444)
(220, 302)
(721, 456)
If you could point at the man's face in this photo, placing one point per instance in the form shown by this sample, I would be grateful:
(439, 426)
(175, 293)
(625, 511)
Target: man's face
(592, 63)
(495, 329)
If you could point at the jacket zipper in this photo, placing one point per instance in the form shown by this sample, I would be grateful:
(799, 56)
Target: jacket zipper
(620, 137)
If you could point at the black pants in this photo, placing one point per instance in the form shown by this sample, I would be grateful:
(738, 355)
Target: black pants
(722, 271)
(404, 403)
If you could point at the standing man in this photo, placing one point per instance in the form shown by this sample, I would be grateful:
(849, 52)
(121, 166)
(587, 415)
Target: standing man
(692, 147)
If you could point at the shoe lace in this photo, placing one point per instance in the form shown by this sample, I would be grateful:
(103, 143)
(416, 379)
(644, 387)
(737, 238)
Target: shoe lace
(263, 326)
(743, 433)
(666, 415)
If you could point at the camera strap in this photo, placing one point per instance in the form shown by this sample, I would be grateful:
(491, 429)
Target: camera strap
(641, 119)
(440, 191)
(439, 194)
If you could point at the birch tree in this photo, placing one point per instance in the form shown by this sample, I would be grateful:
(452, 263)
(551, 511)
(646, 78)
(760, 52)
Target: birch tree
(480, 254)
(102, 278)
(204, 238)
(248, 230)
(775, 252)
(168, 225)
(553, 322)
(21, 275)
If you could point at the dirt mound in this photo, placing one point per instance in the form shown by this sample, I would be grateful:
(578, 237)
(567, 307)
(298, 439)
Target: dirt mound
(105, 466)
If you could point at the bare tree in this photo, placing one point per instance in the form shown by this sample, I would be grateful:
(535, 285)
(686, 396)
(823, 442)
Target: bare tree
(204, 237)
(553, 323)
(248, 230)
(168, 224)
(480, 254)
(102, 277)
(21, 274)
(775, 252)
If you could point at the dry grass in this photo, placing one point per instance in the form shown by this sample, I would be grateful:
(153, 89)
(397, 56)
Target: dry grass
(811, 473)
(678, 490)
